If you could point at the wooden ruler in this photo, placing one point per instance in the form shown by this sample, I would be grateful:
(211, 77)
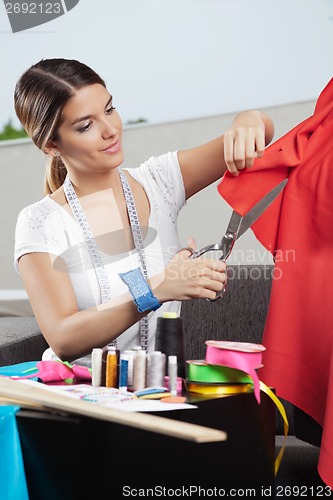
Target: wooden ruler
(25, 395)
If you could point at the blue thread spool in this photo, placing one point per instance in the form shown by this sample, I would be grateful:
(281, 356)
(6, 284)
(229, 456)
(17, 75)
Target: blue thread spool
(123, 372)
(170, 339)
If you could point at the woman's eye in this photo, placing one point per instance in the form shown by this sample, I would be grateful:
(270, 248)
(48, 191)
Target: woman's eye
(85, 127)
(110, 109)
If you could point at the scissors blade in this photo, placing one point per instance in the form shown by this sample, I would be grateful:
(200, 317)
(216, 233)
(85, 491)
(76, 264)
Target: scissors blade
(234, 223)
(260, 208)
(230, 235)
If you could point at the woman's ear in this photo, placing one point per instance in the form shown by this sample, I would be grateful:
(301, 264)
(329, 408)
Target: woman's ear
(51, 149)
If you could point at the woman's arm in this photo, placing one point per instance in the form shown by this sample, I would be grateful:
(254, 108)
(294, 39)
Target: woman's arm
(69, 332)
(72, 333)
(250, 132)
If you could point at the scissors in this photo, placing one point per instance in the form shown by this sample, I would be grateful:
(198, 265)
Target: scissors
(237, 226)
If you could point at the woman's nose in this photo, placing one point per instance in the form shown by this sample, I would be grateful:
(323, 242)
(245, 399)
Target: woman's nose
(109, 128)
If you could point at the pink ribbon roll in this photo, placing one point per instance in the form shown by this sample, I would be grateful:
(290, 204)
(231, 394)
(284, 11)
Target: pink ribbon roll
(242, 356)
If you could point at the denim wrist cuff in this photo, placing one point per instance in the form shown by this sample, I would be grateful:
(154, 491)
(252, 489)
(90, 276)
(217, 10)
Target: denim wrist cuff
(141, 292)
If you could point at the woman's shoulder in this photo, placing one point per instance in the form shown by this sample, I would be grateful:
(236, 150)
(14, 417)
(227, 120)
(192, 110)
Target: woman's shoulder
(160, 169)
(161, 178)
(40, 208)
(41, 227)
(160, 162)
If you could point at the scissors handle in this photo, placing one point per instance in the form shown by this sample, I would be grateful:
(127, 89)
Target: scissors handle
(225, 246)
(206, 249)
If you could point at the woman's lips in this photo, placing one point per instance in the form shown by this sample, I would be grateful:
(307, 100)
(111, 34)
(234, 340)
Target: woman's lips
(113, 148)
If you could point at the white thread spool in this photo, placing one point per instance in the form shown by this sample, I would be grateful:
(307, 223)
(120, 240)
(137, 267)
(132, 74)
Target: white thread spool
(172, 374)
(96, 367)
(156, 369)
(139, 370)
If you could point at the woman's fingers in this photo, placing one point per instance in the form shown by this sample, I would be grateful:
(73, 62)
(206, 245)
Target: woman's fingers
(229, 138)
(243, 143)
(200, 267)
(187, 278)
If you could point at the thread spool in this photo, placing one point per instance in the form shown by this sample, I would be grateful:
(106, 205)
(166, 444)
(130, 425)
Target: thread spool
(172, 374)
(169, 339)
(111, 376)
(98, 365)
(96, 360)
(139, 370)
(123, 372)
(130, 353)
(104, 356)
(155, 369)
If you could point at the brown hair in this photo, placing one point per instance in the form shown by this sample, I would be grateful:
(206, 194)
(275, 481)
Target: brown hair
(39, 98)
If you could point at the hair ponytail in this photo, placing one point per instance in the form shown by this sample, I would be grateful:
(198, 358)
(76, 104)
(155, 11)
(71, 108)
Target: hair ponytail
(55, 175)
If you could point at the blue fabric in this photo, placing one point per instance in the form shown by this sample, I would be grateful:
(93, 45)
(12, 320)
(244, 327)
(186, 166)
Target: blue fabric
(19, 370)
(13, 485)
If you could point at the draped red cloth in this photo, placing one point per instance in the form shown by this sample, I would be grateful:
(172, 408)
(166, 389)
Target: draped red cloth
(298, 230)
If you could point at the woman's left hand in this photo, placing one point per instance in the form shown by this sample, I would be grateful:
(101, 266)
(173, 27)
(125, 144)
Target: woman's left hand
(246, 139)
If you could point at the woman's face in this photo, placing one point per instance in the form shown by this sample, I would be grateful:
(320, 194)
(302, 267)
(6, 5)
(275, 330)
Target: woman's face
(90, 135)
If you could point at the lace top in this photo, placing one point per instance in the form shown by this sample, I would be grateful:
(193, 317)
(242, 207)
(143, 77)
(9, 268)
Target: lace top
(45, 226)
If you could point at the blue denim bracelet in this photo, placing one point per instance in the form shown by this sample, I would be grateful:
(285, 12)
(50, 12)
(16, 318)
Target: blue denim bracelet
(141, 292)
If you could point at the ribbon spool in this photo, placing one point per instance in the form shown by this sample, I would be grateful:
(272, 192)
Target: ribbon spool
(170, 339)
(200, 371)
(243, 356)
(217, 389)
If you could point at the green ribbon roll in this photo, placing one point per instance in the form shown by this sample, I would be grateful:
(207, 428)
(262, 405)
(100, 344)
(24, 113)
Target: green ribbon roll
(200, 371)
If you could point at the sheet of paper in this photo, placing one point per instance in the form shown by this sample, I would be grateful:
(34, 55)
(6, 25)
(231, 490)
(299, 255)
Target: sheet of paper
(109, 397)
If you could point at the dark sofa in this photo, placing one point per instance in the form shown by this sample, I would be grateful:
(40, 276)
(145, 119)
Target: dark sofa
(239, 316)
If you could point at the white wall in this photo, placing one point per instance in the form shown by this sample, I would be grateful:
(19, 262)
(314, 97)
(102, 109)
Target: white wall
(204, 218)
(169, 60)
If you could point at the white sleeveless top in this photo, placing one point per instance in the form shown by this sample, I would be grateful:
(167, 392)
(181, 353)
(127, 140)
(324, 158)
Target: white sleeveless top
(45, 226)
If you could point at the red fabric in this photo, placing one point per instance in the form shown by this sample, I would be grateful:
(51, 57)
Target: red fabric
(298, 230)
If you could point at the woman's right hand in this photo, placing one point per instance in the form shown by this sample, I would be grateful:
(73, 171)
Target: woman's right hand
(185, 278)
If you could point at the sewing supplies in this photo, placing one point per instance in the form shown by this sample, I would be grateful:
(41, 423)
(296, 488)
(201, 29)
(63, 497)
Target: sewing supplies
(96, 367)
(208, 379)
(243, 356)
(160, 393)
(139, 370)
(123, 372)
(228, 368)
(170, 339)
(130, 354)
(231, 368)
(107, 396)
(150, 391)
(172, 374)
(174, 399)
(201, 371)
(111, 376)
(180, 385)
(218, 389)
(155, 368)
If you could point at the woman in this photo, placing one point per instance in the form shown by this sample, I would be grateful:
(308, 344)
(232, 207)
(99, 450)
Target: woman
(99, 254)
